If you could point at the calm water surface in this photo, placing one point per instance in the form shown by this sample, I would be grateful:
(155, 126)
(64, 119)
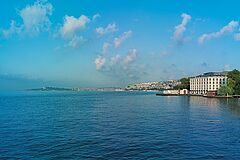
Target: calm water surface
(117, 125)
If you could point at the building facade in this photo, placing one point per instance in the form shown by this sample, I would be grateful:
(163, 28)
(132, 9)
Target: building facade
(207, 83)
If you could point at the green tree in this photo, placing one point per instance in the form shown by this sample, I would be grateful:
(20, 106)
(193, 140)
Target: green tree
(237, 87)
(231, 83)
(233, 74)
(224, 91)
(185, 84)
(234, 81)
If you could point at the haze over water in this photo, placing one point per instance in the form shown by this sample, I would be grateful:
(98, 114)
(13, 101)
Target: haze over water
(117, 125)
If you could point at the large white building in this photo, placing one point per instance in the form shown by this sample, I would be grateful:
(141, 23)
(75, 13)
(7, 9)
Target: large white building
(207, 82)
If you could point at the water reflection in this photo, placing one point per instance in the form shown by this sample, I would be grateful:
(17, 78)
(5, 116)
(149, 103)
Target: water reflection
(232, 104)
(202, 101)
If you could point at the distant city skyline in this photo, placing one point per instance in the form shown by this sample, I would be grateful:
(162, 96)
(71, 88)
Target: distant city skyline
(114, 43)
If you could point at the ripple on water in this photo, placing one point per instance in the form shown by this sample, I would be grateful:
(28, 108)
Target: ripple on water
(111, 125)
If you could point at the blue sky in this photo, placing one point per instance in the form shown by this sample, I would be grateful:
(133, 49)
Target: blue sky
(113, 43)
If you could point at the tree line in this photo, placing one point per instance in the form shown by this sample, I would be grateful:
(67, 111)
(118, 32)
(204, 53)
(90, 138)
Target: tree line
(233, 85)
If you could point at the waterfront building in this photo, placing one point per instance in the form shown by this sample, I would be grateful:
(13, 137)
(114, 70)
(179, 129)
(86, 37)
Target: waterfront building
(208, 83)
(173, 92)
(183, 92)
(169, 92)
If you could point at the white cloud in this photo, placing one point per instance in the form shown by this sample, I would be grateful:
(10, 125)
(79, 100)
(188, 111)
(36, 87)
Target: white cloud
(180, 29)
(132, 55)
(100, 62)
(105, 47)
(14, 29)
(119, 40)
(229, 28)
(118, 66)
(237, 36)
(96, 16)
(115, 60)
(76, 41)
(36, 17)
(71, 29)
(72, 26)
(109, 29)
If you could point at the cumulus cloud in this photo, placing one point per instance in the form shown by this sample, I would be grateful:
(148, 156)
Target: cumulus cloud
(72, 26)
(115, 60)
(35, 19)
(96, 16)
(14, 29)
(110, 28)
(229, 28)
(76, 41)
(119, 40)
(120, 66)
(100, 62)
(132, 55)
(180, 29)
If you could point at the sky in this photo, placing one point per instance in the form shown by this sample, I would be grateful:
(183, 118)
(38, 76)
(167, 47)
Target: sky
(103, 43)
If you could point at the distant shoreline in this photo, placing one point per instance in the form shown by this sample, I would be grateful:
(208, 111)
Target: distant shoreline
(189, 95)
(116, 89)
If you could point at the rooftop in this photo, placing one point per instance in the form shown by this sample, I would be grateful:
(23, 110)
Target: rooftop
(210, 74)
